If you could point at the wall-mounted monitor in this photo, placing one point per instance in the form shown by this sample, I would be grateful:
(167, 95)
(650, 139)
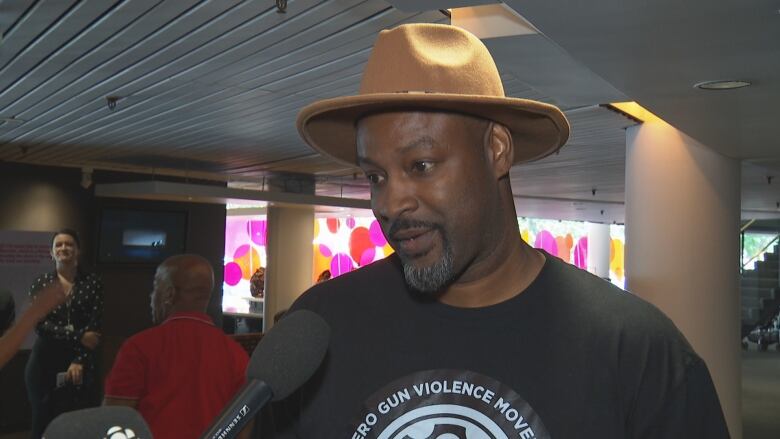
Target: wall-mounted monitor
(140, 236)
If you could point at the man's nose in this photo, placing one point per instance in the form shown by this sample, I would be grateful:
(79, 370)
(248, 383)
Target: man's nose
(396, 198)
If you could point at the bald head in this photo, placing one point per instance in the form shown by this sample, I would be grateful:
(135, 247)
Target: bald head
(182, 283)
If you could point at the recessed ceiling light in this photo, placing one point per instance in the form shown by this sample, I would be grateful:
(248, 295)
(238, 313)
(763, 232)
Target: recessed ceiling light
(729, 84)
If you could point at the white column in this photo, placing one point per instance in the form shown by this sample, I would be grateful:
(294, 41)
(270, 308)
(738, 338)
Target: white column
(598, 249)
(290, 257)
(682, 246)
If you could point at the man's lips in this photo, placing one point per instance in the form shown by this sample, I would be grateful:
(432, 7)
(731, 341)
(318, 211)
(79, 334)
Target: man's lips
(409, 233)
(414, 241)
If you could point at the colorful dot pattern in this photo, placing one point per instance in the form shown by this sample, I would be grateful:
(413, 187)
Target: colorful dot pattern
(347, 243)
(568, 240)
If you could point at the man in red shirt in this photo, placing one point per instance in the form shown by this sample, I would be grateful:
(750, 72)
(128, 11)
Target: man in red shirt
(181, 373)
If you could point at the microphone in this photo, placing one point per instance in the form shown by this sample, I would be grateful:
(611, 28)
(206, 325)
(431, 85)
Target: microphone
(109, 422)
(286, 357)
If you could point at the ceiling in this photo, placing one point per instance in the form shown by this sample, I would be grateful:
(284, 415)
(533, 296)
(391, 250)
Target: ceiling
(210, 89)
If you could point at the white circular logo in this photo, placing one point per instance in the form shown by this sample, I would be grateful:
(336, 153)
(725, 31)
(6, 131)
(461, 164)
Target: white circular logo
(118, 432)
(444, 421)
(446, 404)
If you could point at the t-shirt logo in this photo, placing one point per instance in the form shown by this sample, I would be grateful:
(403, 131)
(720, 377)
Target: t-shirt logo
(446, 430)
(117, 432)
(447, 404)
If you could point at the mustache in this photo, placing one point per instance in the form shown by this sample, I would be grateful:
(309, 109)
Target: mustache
(401, 224)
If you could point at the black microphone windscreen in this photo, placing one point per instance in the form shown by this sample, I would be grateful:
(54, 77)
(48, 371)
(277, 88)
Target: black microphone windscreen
(289, 354)
(110, 422)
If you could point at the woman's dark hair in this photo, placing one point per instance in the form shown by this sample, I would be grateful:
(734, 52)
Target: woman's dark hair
(72, 233)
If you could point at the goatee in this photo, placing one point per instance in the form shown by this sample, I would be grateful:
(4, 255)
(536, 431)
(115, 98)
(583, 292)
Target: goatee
(431, 279)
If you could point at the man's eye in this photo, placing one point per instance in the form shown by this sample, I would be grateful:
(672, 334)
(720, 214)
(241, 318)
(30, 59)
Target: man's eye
(374, 178)
(422, 166)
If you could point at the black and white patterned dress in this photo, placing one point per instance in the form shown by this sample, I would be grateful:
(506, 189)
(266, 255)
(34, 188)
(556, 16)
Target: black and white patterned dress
(59, 344)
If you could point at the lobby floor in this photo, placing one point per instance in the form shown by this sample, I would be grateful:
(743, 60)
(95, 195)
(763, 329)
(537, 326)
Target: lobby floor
(761, 394)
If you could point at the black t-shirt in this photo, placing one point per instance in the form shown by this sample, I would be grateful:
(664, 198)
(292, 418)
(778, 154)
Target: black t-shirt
(572, 356)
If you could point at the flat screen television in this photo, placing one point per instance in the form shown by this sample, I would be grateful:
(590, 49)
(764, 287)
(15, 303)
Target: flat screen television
(140, 236)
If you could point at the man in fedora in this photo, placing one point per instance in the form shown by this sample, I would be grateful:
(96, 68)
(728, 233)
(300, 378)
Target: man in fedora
(466, 331)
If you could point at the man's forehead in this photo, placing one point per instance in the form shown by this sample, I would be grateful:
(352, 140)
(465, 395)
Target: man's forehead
(416, 129)
(417, 141)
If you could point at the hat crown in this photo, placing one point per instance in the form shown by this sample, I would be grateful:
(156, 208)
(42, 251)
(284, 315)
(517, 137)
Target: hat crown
(430, 58)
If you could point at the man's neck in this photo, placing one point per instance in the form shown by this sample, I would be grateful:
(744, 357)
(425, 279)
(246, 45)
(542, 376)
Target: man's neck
(515, 269)
(187, 307)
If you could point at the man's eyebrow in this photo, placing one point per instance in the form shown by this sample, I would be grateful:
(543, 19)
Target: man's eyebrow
(424, 142)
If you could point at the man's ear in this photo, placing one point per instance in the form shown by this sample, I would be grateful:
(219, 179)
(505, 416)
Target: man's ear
(499, 148)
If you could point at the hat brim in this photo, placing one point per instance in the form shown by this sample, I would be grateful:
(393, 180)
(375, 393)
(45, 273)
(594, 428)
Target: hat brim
(330, 125)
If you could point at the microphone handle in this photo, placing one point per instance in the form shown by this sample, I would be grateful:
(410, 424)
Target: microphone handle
(243, 407)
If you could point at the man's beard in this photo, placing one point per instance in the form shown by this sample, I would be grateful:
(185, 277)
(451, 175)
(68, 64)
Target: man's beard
(431, 279)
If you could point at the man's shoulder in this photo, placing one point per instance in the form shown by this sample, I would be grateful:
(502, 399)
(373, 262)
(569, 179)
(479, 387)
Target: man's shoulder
(591, 292)
(632, 334)
(150, 339)
(608, 308)
(359, 285)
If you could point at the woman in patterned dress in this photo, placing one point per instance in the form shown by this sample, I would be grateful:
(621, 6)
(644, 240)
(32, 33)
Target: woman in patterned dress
(67, 337)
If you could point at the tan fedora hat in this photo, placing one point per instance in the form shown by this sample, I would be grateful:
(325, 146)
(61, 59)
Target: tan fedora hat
(432, 67)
